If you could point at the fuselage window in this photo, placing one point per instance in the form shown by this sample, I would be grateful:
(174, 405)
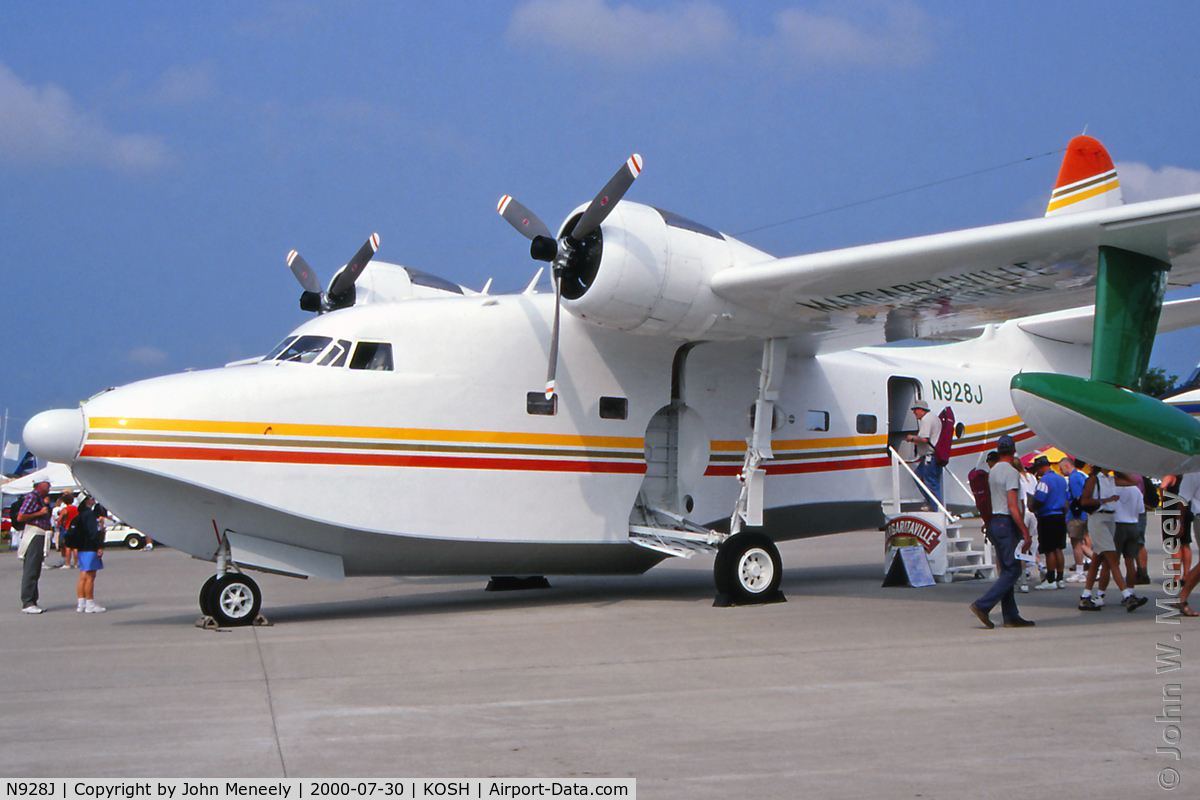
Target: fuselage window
(817, 421)
(866, 423)
(537, 403)
(372, 355)
(336, 355)
(304, 349)
(614, 408)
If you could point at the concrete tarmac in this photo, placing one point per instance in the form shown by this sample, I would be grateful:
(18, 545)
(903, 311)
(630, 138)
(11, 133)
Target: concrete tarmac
(847, 690)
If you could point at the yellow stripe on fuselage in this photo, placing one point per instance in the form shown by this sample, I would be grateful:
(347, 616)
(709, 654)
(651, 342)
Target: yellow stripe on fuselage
(96, 424)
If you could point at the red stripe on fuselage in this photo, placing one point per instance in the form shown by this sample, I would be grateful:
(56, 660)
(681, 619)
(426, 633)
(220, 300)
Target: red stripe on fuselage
(358, 459)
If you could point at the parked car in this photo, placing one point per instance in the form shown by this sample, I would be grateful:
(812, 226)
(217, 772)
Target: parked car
(120, 533)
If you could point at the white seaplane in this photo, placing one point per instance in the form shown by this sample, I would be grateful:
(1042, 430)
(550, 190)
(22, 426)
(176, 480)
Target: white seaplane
(710, 397)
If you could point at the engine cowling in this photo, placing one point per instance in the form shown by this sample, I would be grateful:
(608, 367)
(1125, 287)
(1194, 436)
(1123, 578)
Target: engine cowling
(649, 271)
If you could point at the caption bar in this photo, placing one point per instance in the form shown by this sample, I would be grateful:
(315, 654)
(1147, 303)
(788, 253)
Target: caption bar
(295, 789)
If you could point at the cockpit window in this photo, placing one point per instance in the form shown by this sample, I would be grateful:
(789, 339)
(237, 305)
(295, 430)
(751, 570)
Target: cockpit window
(336, 355)
(279, 348)
(372, 355)
(304, 349)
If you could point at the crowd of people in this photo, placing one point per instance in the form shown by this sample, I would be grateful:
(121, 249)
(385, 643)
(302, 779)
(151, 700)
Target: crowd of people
(1101, 513)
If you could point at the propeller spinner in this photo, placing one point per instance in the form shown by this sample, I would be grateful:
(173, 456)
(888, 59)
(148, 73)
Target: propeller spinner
(565, 254)
(341, 288)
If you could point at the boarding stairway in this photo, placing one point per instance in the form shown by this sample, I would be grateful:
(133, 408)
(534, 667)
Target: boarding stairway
(963, 559)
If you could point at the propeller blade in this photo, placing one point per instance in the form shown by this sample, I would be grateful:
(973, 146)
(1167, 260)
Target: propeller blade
(522, 219)
(603, 203)
(552, 368)
(346, 276)
(303, 273)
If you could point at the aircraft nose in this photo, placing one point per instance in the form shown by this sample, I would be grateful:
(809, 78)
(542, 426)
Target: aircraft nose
(56, 435)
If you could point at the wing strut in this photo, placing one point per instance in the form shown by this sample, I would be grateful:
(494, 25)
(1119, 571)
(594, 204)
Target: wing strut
(749, 508)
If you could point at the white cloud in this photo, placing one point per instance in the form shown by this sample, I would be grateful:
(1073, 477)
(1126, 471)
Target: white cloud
(594, 28)
(147, 356)
(45, 126)
(186, 84)
(1141, 182)
(864, 32)
(881, 33)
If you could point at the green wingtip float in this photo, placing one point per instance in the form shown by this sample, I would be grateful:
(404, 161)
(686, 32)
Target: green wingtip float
(1101, 420)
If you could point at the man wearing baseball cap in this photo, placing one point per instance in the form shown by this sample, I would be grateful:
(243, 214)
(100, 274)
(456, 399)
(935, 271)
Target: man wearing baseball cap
(36, 516)
(1006, 530)
(927, 469)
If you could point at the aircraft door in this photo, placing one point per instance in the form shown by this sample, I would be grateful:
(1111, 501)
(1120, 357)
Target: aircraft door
(677, 449)
(901, 420)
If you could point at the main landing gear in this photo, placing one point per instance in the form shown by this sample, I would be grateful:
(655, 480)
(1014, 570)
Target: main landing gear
(748, 571)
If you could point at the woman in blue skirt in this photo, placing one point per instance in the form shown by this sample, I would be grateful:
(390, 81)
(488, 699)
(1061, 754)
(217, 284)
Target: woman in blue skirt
(90, 536)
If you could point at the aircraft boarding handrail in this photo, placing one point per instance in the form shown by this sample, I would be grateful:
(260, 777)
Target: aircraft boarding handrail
(897, 460)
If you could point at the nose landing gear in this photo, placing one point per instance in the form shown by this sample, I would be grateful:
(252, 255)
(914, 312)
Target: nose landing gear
(229, 599)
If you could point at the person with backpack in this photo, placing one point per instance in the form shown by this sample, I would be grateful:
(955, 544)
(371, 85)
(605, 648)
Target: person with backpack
(928, 469)
(1007, 532)
(34, 514)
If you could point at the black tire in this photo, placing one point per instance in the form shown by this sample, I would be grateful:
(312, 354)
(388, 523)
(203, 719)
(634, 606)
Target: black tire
(134, 542)
(206, 602)
(235, 600)
(748, 569)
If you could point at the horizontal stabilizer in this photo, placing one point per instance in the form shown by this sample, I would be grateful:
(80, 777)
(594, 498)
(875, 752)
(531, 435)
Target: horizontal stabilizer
(1075, 325)
(1106, 425)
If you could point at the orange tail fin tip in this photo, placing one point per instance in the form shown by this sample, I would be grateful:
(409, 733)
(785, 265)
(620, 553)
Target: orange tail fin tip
(1087, 180)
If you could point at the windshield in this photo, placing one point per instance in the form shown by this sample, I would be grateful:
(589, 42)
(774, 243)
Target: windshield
(304, 349)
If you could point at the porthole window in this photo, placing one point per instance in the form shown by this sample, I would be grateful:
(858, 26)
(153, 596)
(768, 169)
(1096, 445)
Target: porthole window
(866, 423)
(614, 408)
(817, 421)
(538, 404)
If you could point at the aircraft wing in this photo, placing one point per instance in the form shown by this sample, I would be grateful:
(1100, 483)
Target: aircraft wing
(930, 285)
(1076, 325)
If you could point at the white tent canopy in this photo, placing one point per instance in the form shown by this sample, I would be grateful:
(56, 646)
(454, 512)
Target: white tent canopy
(59, 475)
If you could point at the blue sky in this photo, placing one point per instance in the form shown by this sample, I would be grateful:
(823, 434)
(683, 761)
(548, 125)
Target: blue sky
(159, 160)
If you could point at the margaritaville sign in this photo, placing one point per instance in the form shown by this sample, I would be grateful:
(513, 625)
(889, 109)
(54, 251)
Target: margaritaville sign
(905, 527)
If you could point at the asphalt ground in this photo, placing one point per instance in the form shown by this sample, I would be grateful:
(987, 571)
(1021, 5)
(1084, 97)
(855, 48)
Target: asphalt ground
(846, 690)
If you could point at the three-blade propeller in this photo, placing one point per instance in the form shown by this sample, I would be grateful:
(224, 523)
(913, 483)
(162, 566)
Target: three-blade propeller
(341, 288)
(544, 247)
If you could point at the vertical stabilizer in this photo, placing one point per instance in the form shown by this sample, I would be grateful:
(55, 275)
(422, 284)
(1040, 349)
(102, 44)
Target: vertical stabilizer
(1087, 180)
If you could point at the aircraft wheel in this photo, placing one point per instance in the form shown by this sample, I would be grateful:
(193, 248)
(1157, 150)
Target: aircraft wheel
(206, 603)
(748, 568)
(235, 600)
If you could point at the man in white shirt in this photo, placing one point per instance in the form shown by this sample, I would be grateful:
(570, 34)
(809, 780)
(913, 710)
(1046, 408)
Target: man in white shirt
(928, 470)
(1006, 531)
(1099, 500)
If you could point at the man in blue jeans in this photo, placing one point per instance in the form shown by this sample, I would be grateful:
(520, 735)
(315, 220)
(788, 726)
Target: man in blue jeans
(1007, 530)
(927, 469)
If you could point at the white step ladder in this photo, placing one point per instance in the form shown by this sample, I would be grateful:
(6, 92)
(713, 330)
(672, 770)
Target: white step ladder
(962, 558)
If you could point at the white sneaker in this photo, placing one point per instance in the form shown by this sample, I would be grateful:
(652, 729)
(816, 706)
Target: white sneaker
(31, 610)
(1077, 577)
(149, 546)
(79, 606)
(1061, 584)
(1044, 585)
(1024, 587)
(92, 608)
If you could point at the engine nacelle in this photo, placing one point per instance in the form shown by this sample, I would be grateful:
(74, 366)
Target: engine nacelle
(649, 271)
